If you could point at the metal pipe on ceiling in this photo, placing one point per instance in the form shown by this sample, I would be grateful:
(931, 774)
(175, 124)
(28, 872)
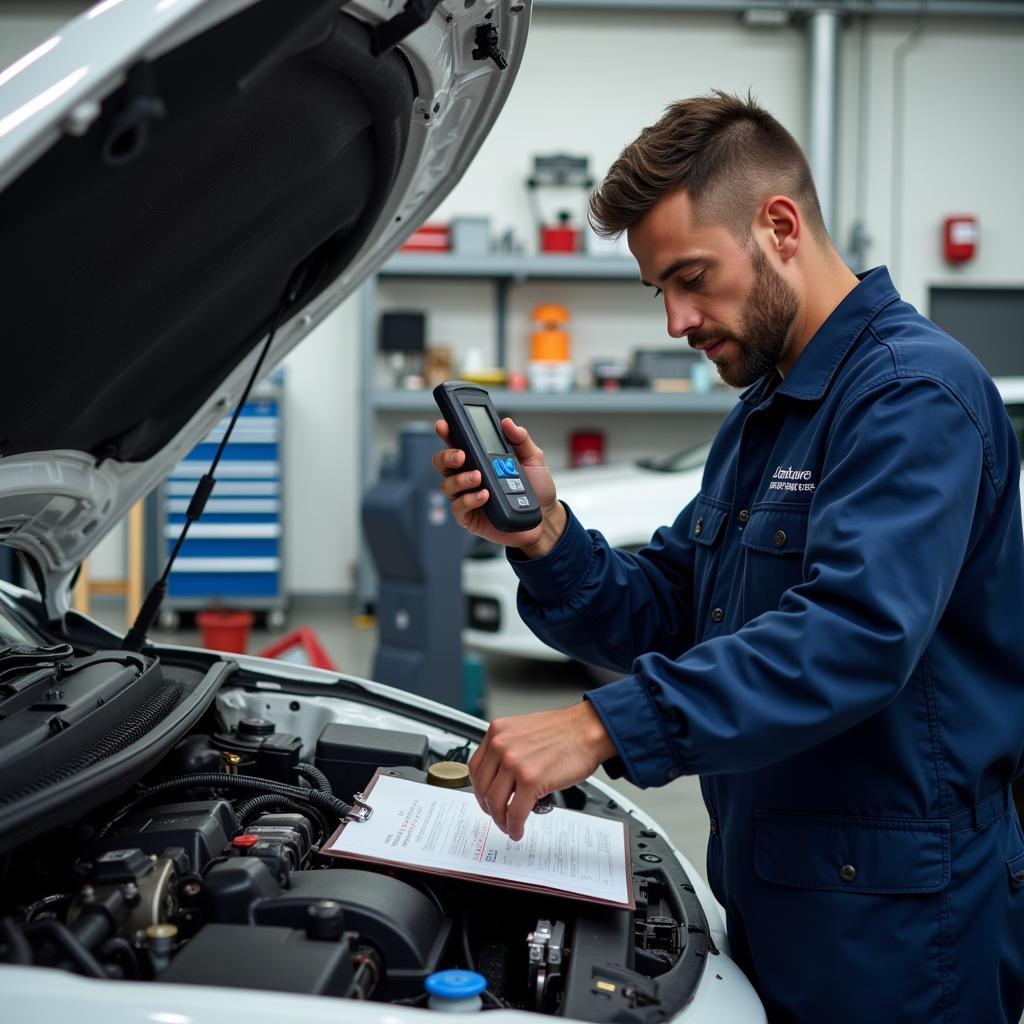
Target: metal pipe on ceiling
(823, 31)
(802, 8)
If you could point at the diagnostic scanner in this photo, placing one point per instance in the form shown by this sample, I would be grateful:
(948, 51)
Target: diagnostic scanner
(474, 427)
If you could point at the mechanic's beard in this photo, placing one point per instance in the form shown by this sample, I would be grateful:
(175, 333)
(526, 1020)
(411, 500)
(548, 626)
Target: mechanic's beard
(765, 321)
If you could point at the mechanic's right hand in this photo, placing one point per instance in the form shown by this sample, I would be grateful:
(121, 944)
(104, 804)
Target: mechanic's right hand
(462, 488)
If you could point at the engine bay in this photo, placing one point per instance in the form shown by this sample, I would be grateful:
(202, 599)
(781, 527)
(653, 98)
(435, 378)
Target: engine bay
(206, 870)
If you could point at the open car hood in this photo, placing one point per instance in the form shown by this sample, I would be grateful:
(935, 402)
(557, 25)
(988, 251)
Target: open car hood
(168, 169)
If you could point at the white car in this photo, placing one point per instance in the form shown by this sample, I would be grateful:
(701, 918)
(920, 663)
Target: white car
(626, 503)
(186, 189)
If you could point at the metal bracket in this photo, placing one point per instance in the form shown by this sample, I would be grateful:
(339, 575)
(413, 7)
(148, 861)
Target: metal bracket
(361, 810)
(545, 953)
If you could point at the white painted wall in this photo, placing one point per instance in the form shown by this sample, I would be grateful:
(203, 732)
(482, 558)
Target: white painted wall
(588, 83)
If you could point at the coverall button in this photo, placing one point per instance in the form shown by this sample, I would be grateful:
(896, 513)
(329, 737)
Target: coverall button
(780, 538)
(718, 615)
(743, 515)
(673, 773)
(714, 826)
(698, 528)
(847, 872)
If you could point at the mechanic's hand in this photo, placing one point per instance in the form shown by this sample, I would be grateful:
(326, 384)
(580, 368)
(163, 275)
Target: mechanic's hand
(468, 502)
(524, 758)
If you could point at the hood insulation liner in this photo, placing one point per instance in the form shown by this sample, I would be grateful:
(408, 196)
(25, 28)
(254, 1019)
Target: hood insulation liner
(142, 261)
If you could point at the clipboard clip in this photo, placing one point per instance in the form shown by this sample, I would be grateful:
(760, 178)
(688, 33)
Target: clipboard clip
(361, 810)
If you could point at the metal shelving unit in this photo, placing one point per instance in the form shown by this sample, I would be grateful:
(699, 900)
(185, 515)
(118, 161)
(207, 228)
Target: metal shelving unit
(505, 271)
(628, 401)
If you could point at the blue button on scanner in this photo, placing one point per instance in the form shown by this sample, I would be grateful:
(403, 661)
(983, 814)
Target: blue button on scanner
(510, 467)
(498, 465)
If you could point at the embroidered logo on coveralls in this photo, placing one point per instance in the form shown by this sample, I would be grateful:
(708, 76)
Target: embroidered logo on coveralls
(791, 479)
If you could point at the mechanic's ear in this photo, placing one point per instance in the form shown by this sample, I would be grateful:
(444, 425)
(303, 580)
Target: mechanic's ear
(780, 217)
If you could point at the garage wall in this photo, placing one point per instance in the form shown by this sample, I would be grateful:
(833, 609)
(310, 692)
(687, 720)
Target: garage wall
(588, 83)
(953, 145)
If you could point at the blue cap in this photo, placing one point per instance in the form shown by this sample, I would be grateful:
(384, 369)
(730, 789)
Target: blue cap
(456, 984)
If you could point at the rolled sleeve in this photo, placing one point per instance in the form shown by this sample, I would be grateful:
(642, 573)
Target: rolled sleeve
(553, 578)
(637, 729)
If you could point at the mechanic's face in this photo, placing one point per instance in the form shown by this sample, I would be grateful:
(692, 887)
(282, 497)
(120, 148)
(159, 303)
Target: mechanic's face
(721, 294)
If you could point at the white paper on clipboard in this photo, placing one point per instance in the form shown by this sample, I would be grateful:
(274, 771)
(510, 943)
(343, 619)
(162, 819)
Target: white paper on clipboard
(428, 828)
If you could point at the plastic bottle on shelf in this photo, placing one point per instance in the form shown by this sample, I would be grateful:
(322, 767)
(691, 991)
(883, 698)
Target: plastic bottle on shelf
(550, 368)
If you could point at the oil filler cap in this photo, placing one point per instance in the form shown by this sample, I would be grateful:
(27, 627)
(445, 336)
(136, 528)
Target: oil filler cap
(255, 727)
(449, 774)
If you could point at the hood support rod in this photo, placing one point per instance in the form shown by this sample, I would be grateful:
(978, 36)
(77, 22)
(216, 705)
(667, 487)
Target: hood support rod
(136, 636)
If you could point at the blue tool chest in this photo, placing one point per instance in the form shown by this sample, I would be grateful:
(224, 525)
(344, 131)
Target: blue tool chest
(233, 555)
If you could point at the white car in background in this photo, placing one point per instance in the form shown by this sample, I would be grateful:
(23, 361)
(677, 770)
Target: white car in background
(186, 189)
(626, 503)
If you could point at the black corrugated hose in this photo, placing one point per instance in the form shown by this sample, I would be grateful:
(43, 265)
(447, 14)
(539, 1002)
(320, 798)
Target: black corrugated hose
(315, 776)
(267, 801)
(218, 780)
(133, 728)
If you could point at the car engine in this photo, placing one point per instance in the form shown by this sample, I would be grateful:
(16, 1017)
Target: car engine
(205, 869)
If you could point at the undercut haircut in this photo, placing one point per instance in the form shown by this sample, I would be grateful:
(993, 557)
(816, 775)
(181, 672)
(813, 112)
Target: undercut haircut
(728, 153)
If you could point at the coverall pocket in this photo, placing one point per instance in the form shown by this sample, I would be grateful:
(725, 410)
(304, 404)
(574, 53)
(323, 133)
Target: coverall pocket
(773, 545)
(708, 517)
(853, 855)
(1015, 866)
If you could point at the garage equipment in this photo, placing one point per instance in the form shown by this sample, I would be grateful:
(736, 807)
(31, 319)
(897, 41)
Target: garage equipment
(417, 549)
(564, 174)
(234, 557)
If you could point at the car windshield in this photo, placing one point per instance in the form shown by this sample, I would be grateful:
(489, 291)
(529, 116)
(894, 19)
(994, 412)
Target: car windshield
(688, 458)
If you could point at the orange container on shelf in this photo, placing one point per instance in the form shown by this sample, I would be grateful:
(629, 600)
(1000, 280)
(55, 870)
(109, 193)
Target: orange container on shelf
(549, 368)
(550, 342)
(224, 630)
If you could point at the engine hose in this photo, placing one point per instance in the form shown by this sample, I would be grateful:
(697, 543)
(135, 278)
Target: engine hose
(315, 776)
(218, 780)
(18, 949)
(62, 937)
(121, 950)
(256, 804)
(34, 909)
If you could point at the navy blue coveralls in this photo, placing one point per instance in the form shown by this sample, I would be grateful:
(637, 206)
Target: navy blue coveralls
(831, 635)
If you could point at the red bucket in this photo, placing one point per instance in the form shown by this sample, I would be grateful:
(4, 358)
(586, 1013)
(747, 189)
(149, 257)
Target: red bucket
(225, 631)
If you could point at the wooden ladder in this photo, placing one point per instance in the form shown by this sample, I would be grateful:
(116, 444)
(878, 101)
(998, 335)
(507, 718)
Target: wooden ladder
(131, 586)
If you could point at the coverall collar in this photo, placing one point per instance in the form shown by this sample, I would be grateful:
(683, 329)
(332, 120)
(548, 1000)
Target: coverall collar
(812, 373)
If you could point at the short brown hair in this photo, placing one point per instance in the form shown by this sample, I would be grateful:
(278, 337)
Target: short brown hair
(728, 153)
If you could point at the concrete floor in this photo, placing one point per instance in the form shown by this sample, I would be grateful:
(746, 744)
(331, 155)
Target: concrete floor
(513, 687)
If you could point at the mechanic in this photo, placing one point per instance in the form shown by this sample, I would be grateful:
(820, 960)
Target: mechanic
(829, 635)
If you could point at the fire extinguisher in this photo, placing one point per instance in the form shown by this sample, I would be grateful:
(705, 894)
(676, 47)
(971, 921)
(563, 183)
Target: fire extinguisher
(959, 238)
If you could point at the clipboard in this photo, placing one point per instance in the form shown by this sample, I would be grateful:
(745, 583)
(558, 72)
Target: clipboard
(436, 831)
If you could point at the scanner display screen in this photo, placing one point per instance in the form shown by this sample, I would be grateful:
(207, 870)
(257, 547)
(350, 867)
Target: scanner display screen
(490, 437)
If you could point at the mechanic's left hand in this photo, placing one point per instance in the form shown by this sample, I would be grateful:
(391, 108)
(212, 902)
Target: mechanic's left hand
(524, 758)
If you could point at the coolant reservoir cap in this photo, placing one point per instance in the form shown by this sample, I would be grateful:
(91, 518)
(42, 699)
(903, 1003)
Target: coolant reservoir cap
(449, 774)
(455, 984)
